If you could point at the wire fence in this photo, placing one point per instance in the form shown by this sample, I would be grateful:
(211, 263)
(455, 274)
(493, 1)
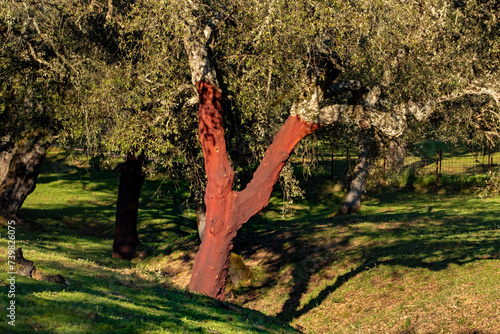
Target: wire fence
(340, 160)
(463, 164)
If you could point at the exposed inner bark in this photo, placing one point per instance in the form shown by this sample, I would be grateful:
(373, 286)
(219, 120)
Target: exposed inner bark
(237, 269)
(228, 210)
(127, 206)
(22, 165)
(212, 260)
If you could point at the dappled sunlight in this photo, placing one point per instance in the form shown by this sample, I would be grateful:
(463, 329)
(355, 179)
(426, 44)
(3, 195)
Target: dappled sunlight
(434, 233)
(401, 252)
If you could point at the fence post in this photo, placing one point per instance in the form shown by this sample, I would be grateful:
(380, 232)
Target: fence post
(437, 168)
(440, 160)
(393, 156)
(333, 151)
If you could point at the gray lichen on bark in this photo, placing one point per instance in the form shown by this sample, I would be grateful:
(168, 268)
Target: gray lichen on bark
(195, 43)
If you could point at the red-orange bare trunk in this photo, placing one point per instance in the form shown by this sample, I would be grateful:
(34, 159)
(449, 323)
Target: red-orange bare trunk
(228, 210)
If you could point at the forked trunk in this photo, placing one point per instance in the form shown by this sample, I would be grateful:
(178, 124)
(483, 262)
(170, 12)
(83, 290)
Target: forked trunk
(127, 206)
(21, 166)
(352, 199)
(228, 210)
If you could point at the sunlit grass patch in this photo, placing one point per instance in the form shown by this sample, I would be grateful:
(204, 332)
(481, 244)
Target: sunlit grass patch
(409, 262)
(74, 204)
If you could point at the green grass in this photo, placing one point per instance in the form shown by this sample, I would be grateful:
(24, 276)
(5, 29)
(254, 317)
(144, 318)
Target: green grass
(75, 206)
(409, 262)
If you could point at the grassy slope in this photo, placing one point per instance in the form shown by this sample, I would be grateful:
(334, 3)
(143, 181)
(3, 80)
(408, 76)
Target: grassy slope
(107, 295)
(408, 263)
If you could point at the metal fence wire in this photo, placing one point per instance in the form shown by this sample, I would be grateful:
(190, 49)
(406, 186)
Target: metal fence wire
(431, 156)
(426, 157)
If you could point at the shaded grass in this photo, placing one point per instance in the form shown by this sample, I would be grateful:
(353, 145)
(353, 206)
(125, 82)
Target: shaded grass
(315, 264)
(101, 300)
(75, 206)
(409, 262)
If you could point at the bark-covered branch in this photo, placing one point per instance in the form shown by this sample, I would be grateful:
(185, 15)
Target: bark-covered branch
(392, 123)
(195, 43)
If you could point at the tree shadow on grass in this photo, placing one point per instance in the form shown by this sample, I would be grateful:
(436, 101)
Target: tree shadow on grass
(99, 300)
(83, 206)
(418, 254)
(419, 238)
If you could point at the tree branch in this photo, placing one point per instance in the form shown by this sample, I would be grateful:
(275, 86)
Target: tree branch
(109, 14)
(390, 124)
(195, 43)
(366, 115)
(258, 191)
(35, 56)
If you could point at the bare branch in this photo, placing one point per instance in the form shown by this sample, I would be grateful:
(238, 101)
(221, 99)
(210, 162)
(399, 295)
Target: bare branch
(35, 56)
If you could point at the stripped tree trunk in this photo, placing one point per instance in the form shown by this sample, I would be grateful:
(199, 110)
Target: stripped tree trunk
(21, 166)
(237, 269)
(352, 199)
(228, 210)
(127, 206)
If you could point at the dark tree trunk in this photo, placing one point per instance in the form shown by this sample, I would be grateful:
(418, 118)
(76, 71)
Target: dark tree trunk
(127, 206)
(228, 210)
(367, 153)
(20, 166)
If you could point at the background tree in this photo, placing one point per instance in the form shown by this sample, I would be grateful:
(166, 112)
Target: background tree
(41, 73)
(410, 50)
(126, 238)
